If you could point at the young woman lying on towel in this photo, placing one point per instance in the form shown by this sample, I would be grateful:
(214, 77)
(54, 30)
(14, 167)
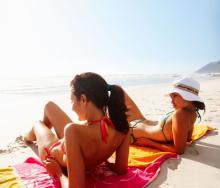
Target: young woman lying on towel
(82, 147)
(175, 129)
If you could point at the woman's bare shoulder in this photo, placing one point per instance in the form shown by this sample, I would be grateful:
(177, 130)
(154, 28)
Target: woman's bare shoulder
(181, 113)
(180, 116)
(73, 128)
(183, 118)
(83, 132)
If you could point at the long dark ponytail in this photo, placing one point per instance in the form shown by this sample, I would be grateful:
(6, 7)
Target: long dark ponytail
(110, 99)
(199, 105)
(117, 108)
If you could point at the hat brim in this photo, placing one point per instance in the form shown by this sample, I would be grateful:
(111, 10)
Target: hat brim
(185, 95)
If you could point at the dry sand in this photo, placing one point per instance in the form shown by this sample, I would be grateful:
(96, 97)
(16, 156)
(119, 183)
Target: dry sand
(199, 167)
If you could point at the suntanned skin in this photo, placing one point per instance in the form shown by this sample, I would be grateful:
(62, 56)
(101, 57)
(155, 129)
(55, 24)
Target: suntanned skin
(84, 148)
(178, 128)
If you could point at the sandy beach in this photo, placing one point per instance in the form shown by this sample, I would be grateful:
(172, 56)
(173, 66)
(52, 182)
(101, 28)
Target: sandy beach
(198, 167)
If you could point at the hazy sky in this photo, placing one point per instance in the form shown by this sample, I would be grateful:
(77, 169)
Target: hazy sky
(108, 36)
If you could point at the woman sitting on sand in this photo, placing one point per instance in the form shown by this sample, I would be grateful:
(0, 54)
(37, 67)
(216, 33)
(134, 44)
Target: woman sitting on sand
(83, 147)
(175, 129)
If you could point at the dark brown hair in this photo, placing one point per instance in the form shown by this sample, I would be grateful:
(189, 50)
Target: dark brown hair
(103, 96)
(199, 105)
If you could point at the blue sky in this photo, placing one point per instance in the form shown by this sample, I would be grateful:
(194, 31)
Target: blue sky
(108, 37)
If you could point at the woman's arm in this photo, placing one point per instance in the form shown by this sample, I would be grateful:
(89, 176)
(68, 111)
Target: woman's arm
(121, 160)
(180, 129)
(75, 160)
(146, 142)
(54, 169)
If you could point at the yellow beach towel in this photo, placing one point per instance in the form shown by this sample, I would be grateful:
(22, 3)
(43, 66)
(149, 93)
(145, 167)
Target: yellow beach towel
(8, 178)
(200, 130)
(142, 156)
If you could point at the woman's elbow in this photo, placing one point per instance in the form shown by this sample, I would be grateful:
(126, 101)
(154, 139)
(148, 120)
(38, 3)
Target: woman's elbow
(180, 151)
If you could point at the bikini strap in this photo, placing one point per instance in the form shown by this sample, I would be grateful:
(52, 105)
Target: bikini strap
(170, 112)
(164, 123)
(104, 122)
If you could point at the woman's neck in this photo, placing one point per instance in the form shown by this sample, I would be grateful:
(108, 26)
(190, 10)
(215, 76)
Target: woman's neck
(95, 114)
(190, 107)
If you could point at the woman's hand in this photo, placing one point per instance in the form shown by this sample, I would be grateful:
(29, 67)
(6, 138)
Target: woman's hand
(53, 167)
(144, 142)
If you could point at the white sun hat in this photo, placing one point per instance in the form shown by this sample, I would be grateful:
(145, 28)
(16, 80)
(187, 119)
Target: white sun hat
(188, 88)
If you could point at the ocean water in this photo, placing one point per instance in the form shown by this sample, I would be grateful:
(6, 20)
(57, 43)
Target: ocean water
(47, 85)
(32, 86)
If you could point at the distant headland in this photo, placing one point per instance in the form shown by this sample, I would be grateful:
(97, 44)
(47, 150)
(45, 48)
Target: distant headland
(212, 67)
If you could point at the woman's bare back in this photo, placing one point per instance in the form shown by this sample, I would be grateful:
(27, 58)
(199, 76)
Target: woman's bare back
(94, 146)
(91, 145)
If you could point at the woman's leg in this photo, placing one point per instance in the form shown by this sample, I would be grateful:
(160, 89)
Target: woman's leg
(54, 117)
(133, 112)
(44, 137)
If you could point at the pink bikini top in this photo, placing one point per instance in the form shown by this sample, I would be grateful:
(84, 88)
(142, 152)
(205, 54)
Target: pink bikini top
(104, 122)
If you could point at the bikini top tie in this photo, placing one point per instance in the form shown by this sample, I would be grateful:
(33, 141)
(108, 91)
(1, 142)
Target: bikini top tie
(104, 122)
